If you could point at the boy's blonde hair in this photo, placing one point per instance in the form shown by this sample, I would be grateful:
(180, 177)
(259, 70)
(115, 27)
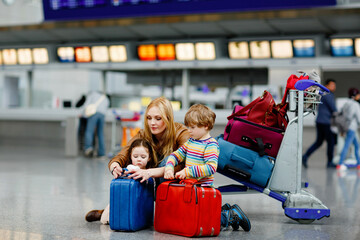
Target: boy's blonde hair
(201, 116)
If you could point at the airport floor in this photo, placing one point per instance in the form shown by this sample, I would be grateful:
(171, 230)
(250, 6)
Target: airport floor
(44, 195)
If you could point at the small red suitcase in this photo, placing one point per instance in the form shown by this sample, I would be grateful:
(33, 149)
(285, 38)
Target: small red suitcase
(187, 209)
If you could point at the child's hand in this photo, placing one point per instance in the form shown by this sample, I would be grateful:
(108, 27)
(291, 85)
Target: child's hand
(169, 174)
(181, 174)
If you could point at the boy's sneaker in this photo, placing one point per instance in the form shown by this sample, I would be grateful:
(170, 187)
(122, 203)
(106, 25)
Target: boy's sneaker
(239, 219)
(226, 206)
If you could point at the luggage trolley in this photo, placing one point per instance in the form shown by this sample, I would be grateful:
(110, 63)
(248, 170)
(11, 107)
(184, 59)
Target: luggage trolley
(126, 119)
(285, 182)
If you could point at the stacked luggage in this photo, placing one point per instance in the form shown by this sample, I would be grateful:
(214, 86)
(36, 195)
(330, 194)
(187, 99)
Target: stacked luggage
(252, 139)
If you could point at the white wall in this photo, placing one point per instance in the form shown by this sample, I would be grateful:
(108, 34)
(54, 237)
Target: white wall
(51, 85)
(21, 12)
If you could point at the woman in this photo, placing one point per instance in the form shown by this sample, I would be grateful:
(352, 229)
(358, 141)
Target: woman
(165, 137)
(351, 109)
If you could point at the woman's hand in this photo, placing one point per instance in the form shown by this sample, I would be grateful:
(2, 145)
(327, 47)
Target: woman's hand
(169, 173)
(116, 170)
(143, 174)
(181, 174)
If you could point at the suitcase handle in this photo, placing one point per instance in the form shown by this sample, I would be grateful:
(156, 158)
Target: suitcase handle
(259, 143)
(240, 158)
(188, 185)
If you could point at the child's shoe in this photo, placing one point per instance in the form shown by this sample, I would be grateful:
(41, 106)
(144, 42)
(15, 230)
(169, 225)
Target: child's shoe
(226, 206)
(358, 167)
(341, 167)
(228, 218)
(239, 218)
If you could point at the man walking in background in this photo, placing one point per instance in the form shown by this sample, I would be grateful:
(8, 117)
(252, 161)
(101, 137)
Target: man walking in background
(323, 124)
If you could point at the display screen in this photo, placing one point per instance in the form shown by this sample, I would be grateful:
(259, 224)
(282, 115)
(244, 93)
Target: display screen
(342, 47)
(238, 50)
(205, 51)
(165, 52)
(9, 56)
(82, 54)
(100, 54)
(281, 49)
(118, 53)
(0, 58)
(304, 48)
(260, 49)
(40, 55)
(185, 51)
(147, 52)
(24, 56)
(66, 54)
(97, 9)
(357, 47)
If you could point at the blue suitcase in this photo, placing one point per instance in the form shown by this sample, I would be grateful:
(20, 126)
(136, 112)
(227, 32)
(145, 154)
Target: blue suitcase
(244, 163)
(131, 204)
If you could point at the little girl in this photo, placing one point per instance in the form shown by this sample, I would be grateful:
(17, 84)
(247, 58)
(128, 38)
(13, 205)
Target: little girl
(142, 156)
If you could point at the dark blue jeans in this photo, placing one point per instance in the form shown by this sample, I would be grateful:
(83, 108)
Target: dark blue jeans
(95, 121)
(323, 132)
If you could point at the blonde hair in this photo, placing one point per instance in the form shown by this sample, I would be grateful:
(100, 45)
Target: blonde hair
(168, 137)
(201, 116)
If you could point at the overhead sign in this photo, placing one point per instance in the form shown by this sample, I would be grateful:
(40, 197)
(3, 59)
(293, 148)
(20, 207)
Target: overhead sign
(97, 9)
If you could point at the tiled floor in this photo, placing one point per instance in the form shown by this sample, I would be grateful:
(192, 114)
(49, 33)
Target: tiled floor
(44, 195)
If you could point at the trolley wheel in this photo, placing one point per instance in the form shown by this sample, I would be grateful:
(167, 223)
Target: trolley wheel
(305, 221)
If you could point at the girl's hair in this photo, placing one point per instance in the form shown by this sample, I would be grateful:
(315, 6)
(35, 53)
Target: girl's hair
(166, 146)
(140, 142)
(201, 116)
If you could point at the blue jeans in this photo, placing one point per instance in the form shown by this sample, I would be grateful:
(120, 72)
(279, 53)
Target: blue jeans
(350, 139)
(95, 121)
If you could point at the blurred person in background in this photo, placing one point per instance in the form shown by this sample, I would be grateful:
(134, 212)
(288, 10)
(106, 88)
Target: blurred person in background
(95, 121)
(323, 125)
(353, 114)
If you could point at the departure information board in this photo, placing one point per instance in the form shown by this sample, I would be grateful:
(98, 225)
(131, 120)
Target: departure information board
(98, 9)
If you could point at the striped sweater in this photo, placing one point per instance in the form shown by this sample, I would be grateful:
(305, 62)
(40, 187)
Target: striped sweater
(201, 159)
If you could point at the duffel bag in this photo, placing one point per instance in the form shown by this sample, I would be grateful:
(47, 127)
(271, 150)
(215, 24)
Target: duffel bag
(260, 138)
(245, 163)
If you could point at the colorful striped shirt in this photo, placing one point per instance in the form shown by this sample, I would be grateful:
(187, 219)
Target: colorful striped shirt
(201, 159)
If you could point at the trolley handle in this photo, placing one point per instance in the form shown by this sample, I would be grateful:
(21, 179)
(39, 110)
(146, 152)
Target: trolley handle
(304, 84)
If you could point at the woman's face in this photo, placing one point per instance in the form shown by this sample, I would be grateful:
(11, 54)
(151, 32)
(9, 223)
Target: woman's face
(154, 119)
(140, 157)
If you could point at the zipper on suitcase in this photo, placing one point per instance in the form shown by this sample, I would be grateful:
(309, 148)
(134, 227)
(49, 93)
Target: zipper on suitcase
(261, 126)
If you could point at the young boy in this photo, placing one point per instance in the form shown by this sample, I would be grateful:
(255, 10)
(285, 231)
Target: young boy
(200, 154)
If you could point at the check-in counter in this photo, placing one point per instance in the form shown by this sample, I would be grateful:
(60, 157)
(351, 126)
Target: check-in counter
(60, 126)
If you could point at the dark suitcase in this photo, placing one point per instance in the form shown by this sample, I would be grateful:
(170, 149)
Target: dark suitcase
(246, 163)
(187, 209)
(131, 204)
(260, 138)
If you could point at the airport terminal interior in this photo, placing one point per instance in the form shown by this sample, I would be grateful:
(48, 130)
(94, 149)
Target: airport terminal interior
(220, 53)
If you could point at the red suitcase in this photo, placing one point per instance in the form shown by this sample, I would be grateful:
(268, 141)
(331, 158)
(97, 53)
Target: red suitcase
(187, 209)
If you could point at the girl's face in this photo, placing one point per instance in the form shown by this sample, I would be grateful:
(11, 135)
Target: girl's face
(140, 157)
(154, 119)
